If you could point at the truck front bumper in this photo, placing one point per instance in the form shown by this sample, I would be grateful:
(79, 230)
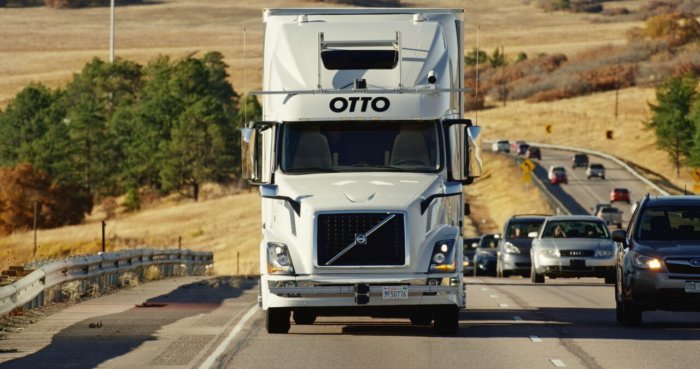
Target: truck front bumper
(343, 291)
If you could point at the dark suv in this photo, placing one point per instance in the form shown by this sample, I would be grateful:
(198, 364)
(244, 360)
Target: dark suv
(579, 160)
(659, 265)
(513, 254)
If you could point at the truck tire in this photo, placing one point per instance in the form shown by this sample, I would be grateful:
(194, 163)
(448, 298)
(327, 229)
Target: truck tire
(422, 318)
(302, 317)
(277, 320)
(447, 321)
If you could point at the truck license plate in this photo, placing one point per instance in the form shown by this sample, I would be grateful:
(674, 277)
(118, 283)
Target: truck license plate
(692, 286)
(395, 293)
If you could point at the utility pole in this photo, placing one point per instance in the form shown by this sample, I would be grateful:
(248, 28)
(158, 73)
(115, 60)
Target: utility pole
(476, 82)
(104, 224)
(503, 78)
(111, 31)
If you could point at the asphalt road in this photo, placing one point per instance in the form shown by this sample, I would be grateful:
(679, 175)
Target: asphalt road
(582, 194)
(508, 323)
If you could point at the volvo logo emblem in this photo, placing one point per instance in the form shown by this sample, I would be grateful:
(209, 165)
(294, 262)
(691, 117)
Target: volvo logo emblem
(695, 262)
(361, 239)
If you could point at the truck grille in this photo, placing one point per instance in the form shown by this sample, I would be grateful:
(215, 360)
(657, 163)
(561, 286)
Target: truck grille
(383, 247)
(577, 253)
(681, 266)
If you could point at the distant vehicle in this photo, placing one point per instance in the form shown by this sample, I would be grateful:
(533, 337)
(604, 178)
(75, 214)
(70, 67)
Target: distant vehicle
(598, 206)
(501, 146)
(573, 246)
(557, 175)
(533, 153)
(513, 254)
(579, 160)
(659, 265)
(595, 170)
(470, 245)
(515, 145)
(522, 149)
(611, 215)
(485, 256)
(620, 194)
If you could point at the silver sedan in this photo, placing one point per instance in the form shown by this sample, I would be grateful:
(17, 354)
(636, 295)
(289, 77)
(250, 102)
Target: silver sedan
(573, 246)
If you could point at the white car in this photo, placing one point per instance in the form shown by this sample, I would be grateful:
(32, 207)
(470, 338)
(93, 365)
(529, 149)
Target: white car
(573, 246)
(501, 146)
(611, 215)
(595, 170)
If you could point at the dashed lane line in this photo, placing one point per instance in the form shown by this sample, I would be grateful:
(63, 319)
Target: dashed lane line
(535, 339)
(558, 363)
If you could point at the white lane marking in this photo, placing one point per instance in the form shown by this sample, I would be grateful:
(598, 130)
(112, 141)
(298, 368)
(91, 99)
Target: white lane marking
(484, 289)
(493, 296)
(503, 305)
(517, 318)
(535, 339)
(234, 332)
(558, 363)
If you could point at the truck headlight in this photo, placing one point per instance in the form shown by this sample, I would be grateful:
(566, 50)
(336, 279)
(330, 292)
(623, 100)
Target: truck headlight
(551, 252)
(443, 257)
(509, 248)
(278, 260)
(645, 262)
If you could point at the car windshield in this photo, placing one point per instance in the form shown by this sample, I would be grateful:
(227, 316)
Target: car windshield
(402, 146)
(521, 229)
(668, 224)
(610, 210)
(596, 166)
(488, 242)
(559, 170)
(575, 229)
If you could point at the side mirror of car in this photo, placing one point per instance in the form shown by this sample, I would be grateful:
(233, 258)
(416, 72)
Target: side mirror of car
(497, 236)
(620, 235)
(532, 234)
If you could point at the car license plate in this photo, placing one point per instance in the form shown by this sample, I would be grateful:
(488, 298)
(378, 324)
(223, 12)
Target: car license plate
(395, 292)
(578, 263)
(692, 286)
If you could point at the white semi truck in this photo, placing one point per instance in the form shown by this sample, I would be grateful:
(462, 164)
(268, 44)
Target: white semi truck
(361, 157)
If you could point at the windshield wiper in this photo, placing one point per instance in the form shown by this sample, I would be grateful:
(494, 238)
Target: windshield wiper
(311, 170)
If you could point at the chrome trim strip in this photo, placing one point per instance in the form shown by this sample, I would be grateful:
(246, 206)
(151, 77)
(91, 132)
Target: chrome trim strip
(354, 243)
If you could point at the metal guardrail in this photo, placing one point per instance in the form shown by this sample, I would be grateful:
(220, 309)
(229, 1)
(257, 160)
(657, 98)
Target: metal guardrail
(619, 162)
(100, 271)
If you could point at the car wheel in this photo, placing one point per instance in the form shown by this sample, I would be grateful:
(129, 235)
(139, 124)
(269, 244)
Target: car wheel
(277, 320)
(534, 277)
(602, 177)
(610, 279)
(619, 225)
(304, 317)
(447, 321)
(627, 313)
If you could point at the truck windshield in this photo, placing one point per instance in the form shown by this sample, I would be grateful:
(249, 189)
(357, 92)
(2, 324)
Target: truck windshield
(352, 146)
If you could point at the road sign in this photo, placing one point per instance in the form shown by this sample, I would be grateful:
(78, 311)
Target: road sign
(696, 176)
(527, 166)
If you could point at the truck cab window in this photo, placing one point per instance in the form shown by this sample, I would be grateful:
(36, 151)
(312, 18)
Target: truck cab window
(407, 146)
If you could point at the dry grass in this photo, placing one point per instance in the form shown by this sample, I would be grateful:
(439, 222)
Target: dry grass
(583, 121)
(49, 45)
(225, 226)
(500, 193)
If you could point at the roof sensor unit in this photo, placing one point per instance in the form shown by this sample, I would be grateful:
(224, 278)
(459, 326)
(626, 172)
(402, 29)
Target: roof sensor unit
(360, 84)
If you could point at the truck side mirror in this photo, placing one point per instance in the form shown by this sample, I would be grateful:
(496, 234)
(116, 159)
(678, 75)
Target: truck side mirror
(464, 159)
(257, 141)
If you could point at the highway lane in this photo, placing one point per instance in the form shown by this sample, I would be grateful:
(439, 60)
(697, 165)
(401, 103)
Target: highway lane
(582, 194)
(508, 323)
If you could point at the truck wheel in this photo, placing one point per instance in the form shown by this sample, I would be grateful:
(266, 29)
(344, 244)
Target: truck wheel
(422, 318)
(302, 317)
(447, 321)
(277, 320)
(534, 277)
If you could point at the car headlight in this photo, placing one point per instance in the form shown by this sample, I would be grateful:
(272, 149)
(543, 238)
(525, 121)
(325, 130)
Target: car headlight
(509, 248)
(645, 262)
(443, 258)
(278, 260)
(551, 252)
(606, 252)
